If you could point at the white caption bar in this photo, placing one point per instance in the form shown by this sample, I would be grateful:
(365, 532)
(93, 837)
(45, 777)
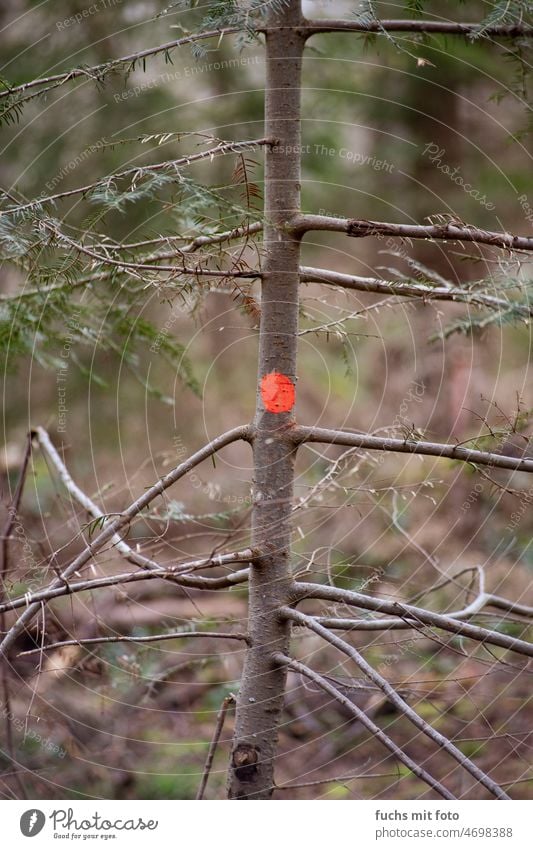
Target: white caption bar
(315, 825)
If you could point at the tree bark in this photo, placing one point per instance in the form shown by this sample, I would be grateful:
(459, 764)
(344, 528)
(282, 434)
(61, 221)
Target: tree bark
(260, 699)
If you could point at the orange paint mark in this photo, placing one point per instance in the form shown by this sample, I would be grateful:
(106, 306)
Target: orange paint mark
(277, 392)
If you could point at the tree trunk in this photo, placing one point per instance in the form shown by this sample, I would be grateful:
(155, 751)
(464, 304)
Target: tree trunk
(260, 699)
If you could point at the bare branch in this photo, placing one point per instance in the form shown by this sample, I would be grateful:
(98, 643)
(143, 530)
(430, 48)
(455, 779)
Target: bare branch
(312, 27)
(408, 289)
(339, 779)
(171, 573)
(153, 638)
(411, 446)
(111, 529)
(374, 729)
(359, 227)
(414, 615)
(228, 235)
(482, 600)
(133, 556)
(397, 701)
(229, 700)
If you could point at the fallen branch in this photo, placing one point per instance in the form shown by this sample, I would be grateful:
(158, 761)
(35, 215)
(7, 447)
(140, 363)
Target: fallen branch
(374, 729)
(395, 699)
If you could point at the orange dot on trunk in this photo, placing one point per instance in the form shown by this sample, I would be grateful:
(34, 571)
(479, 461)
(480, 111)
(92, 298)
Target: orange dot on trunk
(277, 392)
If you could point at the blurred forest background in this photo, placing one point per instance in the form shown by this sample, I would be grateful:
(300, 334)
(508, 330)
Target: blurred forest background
(381, 120)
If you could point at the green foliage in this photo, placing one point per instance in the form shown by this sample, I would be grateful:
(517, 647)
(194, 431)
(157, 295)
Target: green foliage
(83, 284)
(505, 12)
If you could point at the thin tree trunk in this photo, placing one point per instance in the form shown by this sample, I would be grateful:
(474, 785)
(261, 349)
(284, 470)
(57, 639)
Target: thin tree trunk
(260, 699)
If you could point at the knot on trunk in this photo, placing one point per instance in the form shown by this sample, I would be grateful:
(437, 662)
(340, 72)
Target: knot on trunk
(244, 761)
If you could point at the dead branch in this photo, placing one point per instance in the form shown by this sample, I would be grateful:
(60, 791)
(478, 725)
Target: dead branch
(229, 700)
(200, 582)
(411, 614)
(153, 638)
(397, 700)
(374, 729)
(109, 532)
(481, 601)
(328, 436)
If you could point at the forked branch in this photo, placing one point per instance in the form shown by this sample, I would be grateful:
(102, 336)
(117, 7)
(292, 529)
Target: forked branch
(374, 729)
(396, 700)
(111, 529)
(414, 615)
(135, 557)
